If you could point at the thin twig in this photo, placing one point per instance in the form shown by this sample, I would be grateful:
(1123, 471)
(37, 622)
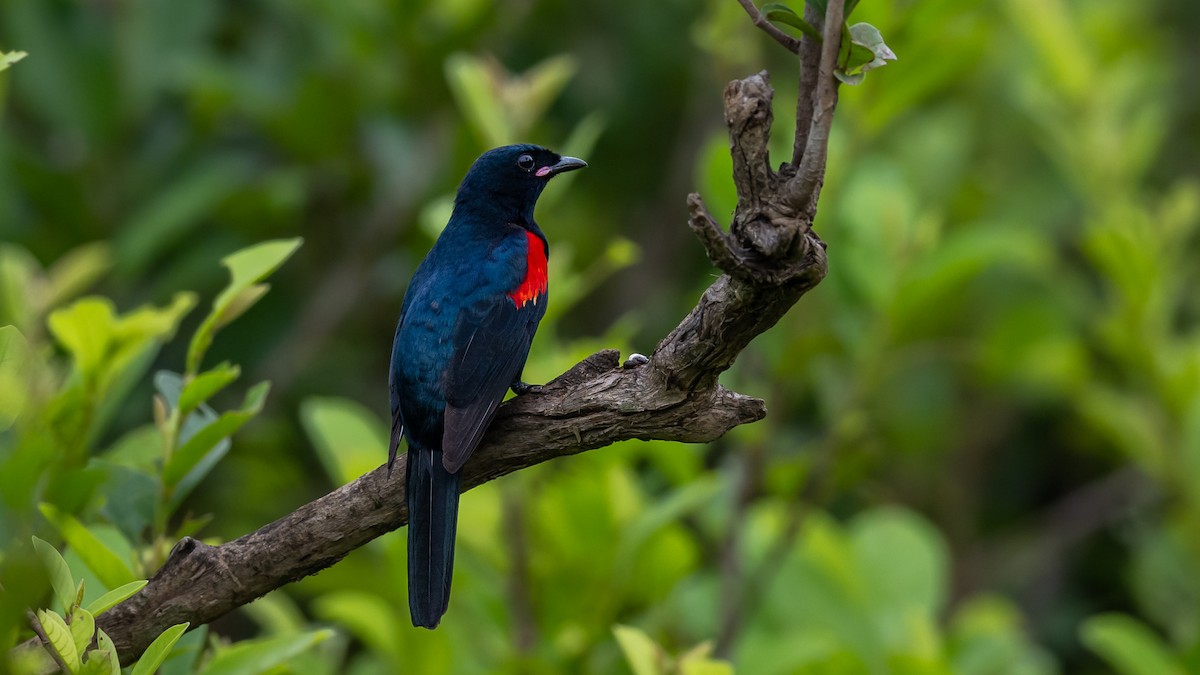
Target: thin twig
(810, 67)
(790, 43)
(804, 187)
(716, 242)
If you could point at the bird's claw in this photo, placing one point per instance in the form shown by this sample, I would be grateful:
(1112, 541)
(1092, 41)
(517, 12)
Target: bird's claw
(522, 388)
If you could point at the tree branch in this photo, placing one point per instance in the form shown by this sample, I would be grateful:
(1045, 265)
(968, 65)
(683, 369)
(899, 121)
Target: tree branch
(790, 43)
(770, 257)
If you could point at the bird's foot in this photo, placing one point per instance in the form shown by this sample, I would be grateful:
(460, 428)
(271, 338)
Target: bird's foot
(521, 388)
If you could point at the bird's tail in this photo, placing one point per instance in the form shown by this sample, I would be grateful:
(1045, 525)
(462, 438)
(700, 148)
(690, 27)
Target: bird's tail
(432, 520)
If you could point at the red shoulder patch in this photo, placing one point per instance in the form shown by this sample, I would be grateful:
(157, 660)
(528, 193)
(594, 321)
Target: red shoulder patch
(536, 279)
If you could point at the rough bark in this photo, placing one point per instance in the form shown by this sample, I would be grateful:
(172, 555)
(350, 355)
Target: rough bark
(770, 257)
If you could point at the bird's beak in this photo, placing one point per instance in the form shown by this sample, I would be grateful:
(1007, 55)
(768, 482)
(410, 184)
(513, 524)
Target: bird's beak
(564, 164)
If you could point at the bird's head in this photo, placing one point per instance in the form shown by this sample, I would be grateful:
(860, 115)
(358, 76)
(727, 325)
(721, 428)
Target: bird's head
(511, 178)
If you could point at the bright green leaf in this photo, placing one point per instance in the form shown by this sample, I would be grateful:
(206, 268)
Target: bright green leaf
(158, 650)
(366, 616)
(115, 597)
(256, 656)
(59, 571)
(83, 628)
(85, 329)
(9, 58)
(100, 559)
(349, 439)
(14, 356)
(527, 97)
(1129, 646)
(59, 635)
(241, 303)
(246, 267)
(106, 645)
(645, 657)
(96, 662)
(474, 85)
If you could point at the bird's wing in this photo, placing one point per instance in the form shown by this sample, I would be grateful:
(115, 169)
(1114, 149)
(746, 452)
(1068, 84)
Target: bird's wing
(394, 394)
(490, 347)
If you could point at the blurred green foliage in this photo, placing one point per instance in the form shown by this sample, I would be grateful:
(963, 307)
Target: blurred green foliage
(983, 447)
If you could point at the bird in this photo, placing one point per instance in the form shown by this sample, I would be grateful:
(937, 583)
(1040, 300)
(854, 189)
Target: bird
(466, 324)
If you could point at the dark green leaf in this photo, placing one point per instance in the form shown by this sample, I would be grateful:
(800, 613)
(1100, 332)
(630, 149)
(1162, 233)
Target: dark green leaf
(205, 385)
(777, 12)
(190, 455)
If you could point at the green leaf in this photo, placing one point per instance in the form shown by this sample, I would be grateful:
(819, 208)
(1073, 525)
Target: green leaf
(77, 270)
(1129, 646)
(240, 303)
(205, 385)
(777, 12)
(474, 86)
(14, 363)
(350, 440)
(645, 657)
(863, 49)
(110, 650)
(96, 663)
(9, 58)
(83, 628)
(158, 650)
(186, 652)
(100, 559)
(59, 571)
(130, 496)
(368, 617)
(528, 96)
(191, 453)
(256, 656)
(115, 597)
(246, 267)
(903, 561)
(698, 661)
(60, 638)
(85, 330)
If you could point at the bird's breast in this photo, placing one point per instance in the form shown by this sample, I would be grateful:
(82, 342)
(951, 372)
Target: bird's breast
(536, 280)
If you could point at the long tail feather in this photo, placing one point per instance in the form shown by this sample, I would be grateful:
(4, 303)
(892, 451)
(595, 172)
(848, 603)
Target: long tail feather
(432, 520)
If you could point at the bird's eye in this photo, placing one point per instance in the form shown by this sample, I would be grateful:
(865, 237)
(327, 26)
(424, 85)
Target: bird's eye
(525, 162)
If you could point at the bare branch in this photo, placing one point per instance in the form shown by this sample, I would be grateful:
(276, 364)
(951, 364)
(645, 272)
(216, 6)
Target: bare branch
(805, 187)
(790, 43)
(810, 67)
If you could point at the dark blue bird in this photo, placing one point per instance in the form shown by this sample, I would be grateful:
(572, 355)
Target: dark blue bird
(464, 333)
